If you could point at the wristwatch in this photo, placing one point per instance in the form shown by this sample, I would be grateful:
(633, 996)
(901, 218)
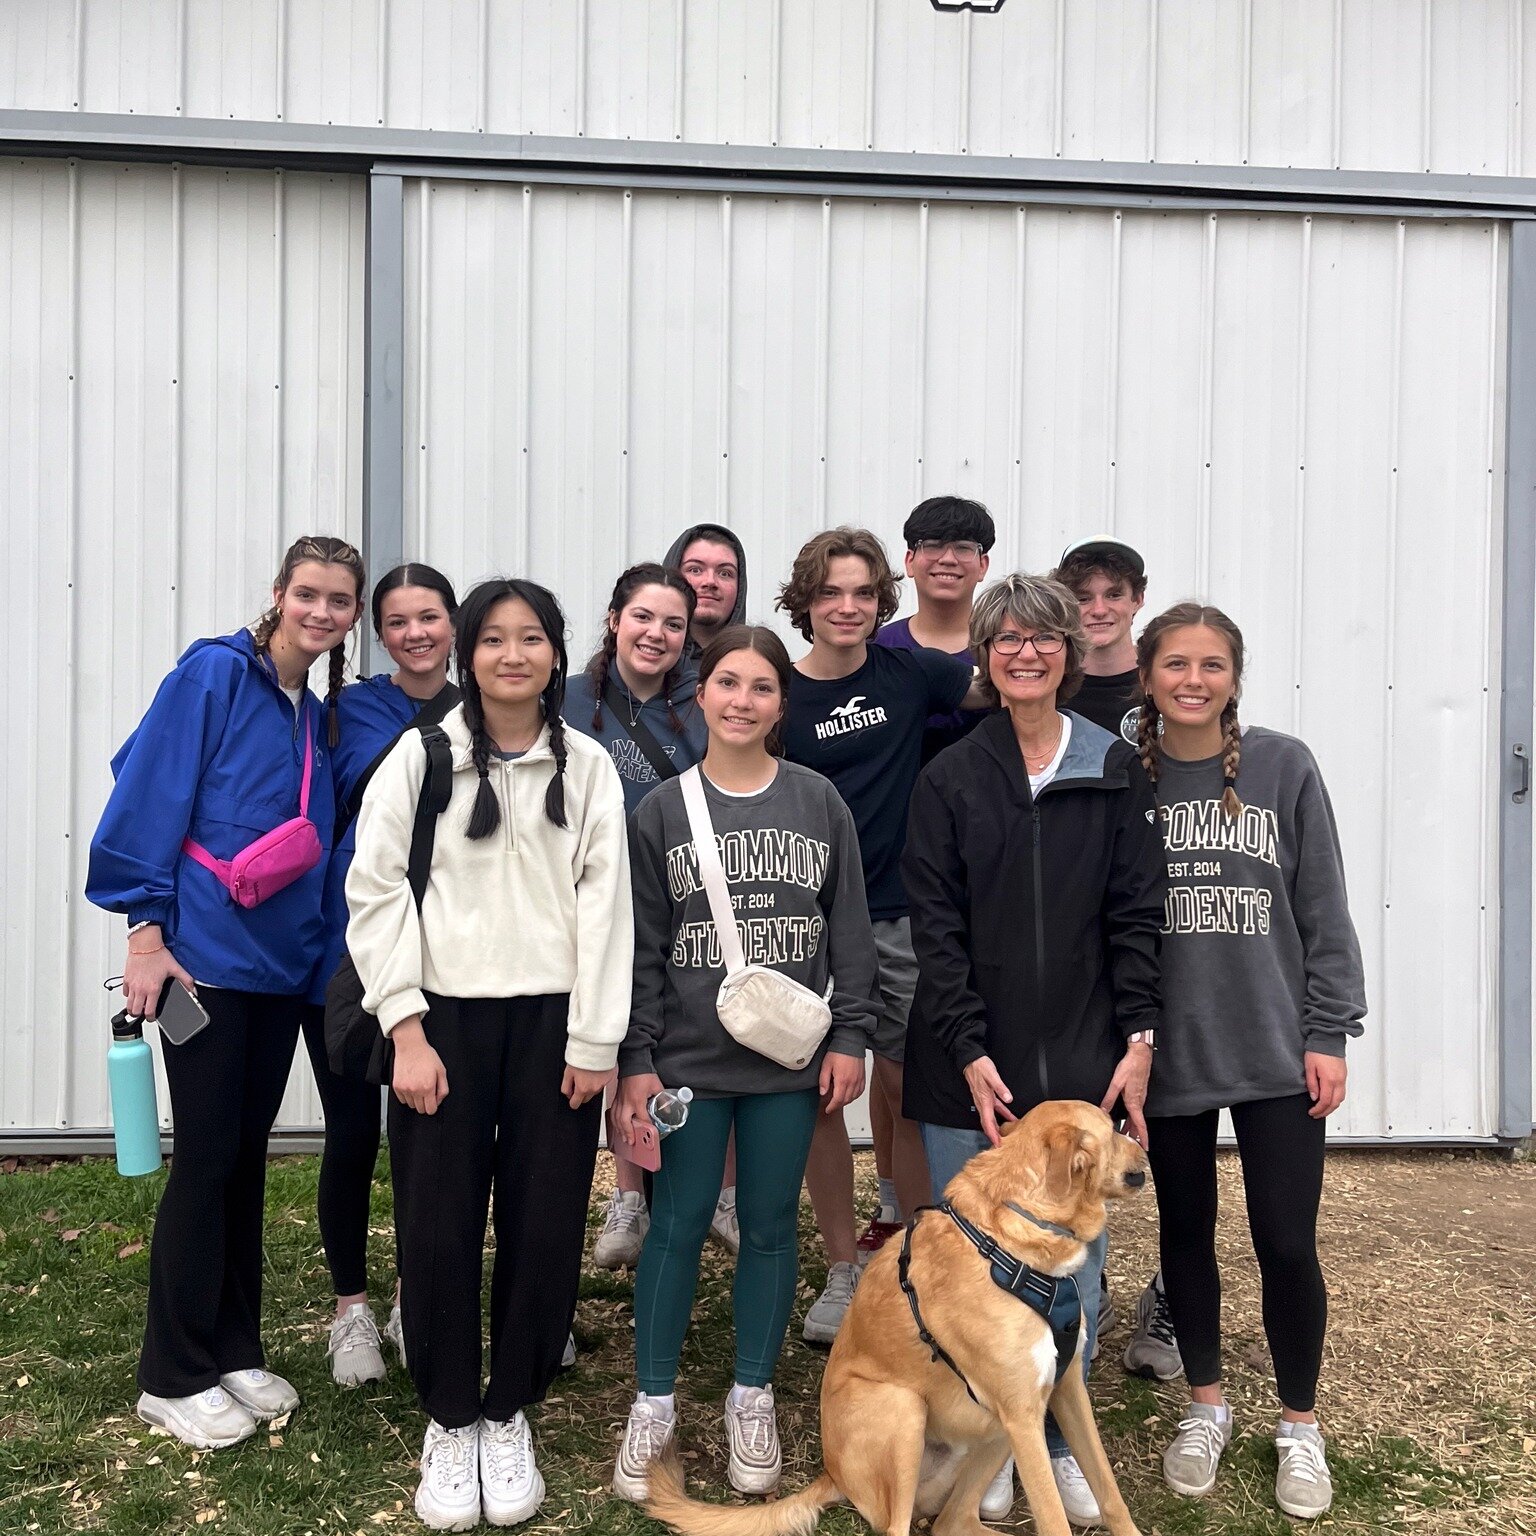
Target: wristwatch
(1146, 1037)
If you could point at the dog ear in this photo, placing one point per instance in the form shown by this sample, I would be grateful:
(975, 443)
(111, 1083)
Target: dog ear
(1067, 1161)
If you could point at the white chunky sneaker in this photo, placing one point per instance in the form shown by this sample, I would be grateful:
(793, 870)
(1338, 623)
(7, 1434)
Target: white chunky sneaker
(997, 1500)
(208, 1420)
(829, 1309)
(618, 1244)
(645, 1437)
(263, 1395)
(448, 1498)
(511, 1487)
(1303, 1486)
(1190, 1462)
(394, 1331)
(355, 1350)
(723, 1225)
(1076, 1496)
(1153, 1350)
(752, 1431)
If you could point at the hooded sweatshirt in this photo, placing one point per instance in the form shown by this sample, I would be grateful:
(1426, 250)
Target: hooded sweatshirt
(719, 535)
(533, 910)
(684, 747)
(219, 758)
(1260, 959)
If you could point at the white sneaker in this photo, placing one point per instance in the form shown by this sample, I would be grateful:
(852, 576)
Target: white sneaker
(1153, 1350)
(723, 1225)
(1190, 1462)
(568, 1355)
(511, 1487)
(448, 1498)
(618, 1244)
(997, 1501)
(355, 1351)
(1303, 1486)
(208, 1420)
(752, 1431)
(394, 1331)
(1076, 1496)
(263, 1395)
(829, 1309)
(645, 1437)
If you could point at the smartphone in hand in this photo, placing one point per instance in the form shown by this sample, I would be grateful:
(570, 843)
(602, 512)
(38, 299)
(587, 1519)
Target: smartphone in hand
(180, 1016)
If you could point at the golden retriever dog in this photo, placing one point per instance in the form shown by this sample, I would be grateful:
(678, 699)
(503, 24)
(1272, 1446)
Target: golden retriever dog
(901, 1436)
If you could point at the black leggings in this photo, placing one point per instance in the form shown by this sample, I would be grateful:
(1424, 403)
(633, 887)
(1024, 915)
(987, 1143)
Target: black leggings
(352, 1111)
(1281, 1147)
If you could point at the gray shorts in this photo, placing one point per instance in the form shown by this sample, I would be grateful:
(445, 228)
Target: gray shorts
(898, 981)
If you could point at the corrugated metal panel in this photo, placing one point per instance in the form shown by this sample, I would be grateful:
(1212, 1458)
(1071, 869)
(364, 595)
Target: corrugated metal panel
(1296, 417)
(1406, 85)
(181, 398)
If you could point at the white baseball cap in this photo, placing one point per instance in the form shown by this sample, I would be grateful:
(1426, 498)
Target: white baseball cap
(1104, 543)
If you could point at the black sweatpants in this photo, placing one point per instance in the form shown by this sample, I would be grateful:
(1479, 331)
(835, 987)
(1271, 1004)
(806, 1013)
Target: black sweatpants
(1281, 1147)
(352, 1111)
(503, 1126)
(205, 1259)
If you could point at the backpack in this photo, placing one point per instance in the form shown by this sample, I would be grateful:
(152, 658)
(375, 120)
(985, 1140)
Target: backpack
(355, 1046)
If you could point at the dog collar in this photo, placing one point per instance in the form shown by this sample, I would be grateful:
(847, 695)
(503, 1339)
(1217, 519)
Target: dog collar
(1045, 1226)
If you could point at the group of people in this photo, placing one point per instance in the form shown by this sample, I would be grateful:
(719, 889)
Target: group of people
(1002, 899)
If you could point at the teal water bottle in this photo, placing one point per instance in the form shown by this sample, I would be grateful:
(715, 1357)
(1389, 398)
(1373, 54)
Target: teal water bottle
(135, 1113)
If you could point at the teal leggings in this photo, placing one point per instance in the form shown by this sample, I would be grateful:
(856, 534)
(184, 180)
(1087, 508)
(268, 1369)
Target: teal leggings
(773, 1140)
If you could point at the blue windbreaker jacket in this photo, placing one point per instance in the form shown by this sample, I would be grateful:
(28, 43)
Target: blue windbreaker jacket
(217, 757)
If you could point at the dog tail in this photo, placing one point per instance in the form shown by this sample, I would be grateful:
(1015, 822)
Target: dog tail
(795, 1515)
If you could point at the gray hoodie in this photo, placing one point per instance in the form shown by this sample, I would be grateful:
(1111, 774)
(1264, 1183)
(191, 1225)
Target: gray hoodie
(1260, 959)
(722, 535)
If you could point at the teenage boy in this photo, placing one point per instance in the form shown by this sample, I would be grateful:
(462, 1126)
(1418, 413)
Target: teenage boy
(949, 540)
(712, 559)
(857, 713)
(1109, 579)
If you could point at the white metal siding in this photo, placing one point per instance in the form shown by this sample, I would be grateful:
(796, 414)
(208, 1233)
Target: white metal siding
(1408, 85)
(181, 396)
(1298, 418)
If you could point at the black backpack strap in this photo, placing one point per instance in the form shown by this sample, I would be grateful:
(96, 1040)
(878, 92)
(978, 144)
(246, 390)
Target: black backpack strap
(640, 734)
(436, 791)
(431, 713)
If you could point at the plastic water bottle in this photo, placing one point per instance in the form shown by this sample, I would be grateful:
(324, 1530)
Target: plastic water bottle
(669, 1109)
(135, 1113)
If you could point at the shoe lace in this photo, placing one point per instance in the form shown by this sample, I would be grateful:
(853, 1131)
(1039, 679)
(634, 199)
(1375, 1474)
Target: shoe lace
(646, 1434)
(506, 1447)
(1199, 1437)
(1067, 1471)
(841, 1282)
(622, 1217)
(756, 1424)
(1160, 1323)
(354, 1332)
(451, 1457)
(1302, 1458)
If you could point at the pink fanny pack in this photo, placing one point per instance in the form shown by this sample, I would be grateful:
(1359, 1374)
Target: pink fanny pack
(275, 860)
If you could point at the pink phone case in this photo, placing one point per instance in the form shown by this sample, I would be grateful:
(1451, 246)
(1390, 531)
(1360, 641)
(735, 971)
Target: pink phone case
(645, 1153)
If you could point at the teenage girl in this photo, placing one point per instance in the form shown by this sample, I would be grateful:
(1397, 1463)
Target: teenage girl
(1262, 987)
(413, 609)
(221, 759)
(790, 853)
(505, 998)
(640, 679)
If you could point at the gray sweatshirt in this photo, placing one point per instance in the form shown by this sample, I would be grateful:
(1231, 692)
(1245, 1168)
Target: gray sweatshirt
(1260, 958)
(791, 860)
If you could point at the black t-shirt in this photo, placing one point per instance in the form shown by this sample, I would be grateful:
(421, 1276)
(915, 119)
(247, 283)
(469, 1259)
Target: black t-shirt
(1113, 702)
(865, 733)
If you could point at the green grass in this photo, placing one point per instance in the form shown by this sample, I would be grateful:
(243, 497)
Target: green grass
(73, 1278)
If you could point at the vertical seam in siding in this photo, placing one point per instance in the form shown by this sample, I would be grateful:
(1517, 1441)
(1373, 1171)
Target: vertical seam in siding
(1488, 776)
(1426, 79)
(1112, 374)
(1336, 105)
(1299, 548)
(79, 60)
(178, 280)
(1207, 407)
(775, 69)
(582, 28)
(723, 466)
(679, 64)
(280, 84)
(1153, 20)
(181, 56)
(823, 358)
(423, 369)
(279, 303)
(483, 68)
(963, 127)
(525, 380)
(1515, 155)
(626, 321)
(1245, 126)
(1058, 123)
(381, 64)
(919, 411)
(71, 516)
(869, 75)
(1016, 387)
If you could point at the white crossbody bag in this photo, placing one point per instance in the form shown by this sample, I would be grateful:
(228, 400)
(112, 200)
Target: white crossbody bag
(761, 1008)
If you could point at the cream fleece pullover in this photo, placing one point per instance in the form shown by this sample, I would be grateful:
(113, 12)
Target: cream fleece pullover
(532, 910)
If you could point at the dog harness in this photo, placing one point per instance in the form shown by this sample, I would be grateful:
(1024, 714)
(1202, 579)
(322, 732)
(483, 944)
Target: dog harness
(1054, 1297)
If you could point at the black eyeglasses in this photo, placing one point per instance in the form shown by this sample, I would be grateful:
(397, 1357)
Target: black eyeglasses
(1010, 644)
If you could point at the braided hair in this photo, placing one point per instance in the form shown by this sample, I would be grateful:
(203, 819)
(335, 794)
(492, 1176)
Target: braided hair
(326, 551)
(647, 574)
(1149, 728)
(485, 814)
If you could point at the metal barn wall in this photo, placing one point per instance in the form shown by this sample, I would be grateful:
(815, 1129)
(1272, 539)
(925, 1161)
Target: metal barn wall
(181, 396)
(1408, 85)
(1299, 418)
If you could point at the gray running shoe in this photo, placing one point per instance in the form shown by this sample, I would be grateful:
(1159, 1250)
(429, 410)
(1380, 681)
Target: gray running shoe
(1153, 1350)
(829, 1309)
(1190, 1463)
(1302, 1485)
(356, 1355)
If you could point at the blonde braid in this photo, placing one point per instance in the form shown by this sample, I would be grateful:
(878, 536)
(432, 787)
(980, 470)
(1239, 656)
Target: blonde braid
(1231, 760)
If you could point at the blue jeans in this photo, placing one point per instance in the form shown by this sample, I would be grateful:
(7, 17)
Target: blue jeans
(948, 1150)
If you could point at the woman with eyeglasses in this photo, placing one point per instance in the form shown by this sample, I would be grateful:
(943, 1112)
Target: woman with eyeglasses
(1035, 871)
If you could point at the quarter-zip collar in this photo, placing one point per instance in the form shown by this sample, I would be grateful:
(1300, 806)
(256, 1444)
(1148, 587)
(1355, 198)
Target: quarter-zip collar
(463, 746)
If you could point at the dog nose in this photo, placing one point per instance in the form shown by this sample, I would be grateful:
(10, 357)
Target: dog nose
(1135, 1178)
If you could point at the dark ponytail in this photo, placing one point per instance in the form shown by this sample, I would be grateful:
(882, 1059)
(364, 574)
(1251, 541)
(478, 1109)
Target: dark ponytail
(411, 574)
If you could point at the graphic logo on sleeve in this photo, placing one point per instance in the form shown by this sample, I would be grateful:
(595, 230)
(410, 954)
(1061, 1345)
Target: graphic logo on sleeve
(852, 716)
